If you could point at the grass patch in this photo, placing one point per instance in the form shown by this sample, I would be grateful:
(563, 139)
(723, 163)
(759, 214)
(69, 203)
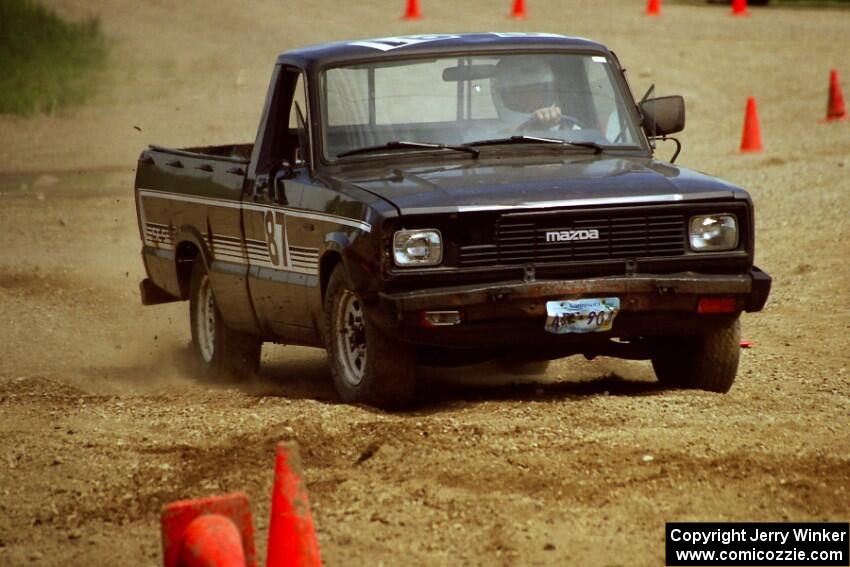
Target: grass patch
(46, 63)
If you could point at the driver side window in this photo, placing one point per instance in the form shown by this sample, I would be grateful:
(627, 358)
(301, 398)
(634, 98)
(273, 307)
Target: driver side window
(286, 137)
(297, 146)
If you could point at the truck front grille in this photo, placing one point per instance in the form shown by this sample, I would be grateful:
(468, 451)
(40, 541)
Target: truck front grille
(556, 238)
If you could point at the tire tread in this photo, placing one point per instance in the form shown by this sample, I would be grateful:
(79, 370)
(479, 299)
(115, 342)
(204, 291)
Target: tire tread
(390, 379)
(706, 362)
(237, 354)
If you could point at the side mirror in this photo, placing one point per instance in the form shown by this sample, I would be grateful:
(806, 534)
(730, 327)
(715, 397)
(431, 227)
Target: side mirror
(663, 115)
(285, 172)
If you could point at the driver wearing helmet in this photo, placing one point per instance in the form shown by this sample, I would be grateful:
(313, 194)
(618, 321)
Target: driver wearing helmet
(524, 94)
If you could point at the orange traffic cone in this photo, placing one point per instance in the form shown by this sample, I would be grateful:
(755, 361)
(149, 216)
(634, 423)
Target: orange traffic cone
(653, 8)
(835, 106)
(212, 539)
(208, 531)
(739, 8)
(518, 12)
(412, 12)
(751, 140)
(292, 535)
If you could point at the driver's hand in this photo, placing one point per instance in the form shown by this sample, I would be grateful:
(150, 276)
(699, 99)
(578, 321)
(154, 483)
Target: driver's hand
(545, 118)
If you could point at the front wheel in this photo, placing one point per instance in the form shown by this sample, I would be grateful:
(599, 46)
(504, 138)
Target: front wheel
(368, 366)
(219, 351)
(704, 362)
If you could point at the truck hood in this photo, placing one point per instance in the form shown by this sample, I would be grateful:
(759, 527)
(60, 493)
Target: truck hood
(512, 184)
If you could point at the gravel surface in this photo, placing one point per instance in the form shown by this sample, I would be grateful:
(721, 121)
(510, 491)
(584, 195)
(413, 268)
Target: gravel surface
(101, 423)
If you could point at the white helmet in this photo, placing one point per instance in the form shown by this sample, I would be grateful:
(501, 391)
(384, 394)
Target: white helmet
(522, 85)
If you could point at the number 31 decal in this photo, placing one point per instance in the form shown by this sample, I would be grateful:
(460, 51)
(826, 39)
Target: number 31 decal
(274, 223)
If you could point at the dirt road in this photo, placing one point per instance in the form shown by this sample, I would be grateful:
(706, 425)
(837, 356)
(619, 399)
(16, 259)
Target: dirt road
(101, 423)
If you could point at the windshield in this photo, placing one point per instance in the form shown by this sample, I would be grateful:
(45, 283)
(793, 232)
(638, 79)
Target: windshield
(463, 100)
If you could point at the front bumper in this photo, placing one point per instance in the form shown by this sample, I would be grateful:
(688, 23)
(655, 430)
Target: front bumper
(513, 313)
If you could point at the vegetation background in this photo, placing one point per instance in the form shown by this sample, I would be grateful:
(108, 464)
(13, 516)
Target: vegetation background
(46, 62)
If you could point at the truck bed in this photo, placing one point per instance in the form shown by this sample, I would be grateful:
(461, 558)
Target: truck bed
(182, 195)
(230, 152)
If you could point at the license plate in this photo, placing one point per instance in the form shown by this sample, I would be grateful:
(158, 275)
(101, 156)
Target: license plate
(590, 315)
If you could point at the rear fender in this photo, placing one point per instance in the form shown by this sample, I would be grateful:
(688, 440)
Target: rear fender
(228, 280)
(189, 236)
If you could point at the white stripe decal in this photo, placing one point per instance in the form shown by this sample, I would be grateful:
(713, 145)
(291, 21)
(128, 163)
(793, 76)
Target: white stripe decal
(251, 207)
(250, 252)
(156, 234)
(225, 255)
(571, 203)
(227, 246)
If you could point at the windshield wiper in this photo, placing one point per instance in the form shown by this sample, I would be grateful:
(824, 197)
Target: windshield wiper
(516, 140)
(402, 145)
(537, 140)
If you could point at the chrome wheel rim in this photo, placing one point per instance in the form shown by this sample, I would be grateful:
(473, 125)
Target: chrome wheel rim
(351, 338)
(205, 320)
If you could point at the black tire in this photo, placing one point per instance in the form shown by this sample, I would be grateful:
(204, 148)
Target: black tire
(524, 368)
(706, 362)
(368, 367)
(220, 352)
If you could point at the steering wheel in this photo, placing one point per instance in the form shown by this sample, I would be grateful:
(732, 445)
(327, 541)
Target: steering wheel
(566, 122)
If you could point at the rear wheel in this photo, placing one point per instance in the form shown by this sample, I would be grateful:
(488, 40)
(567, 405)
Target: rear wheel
(705, 362)
(368, 366)
(219, 351)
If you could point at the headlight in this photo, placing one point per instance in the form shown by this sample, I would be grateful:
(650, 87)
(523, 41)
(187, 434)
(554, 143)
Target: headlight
(417, 247)
(711, 233)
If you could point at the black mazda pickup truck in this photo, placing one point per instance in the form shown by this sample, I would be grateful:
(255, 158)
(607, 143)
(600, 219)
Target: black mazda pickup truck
(450, 199)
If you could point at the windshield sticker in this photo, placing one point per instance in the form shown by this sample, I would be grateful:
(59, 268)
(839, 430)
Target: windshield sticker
(598, 59)
(526, 34)
(390, 43)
